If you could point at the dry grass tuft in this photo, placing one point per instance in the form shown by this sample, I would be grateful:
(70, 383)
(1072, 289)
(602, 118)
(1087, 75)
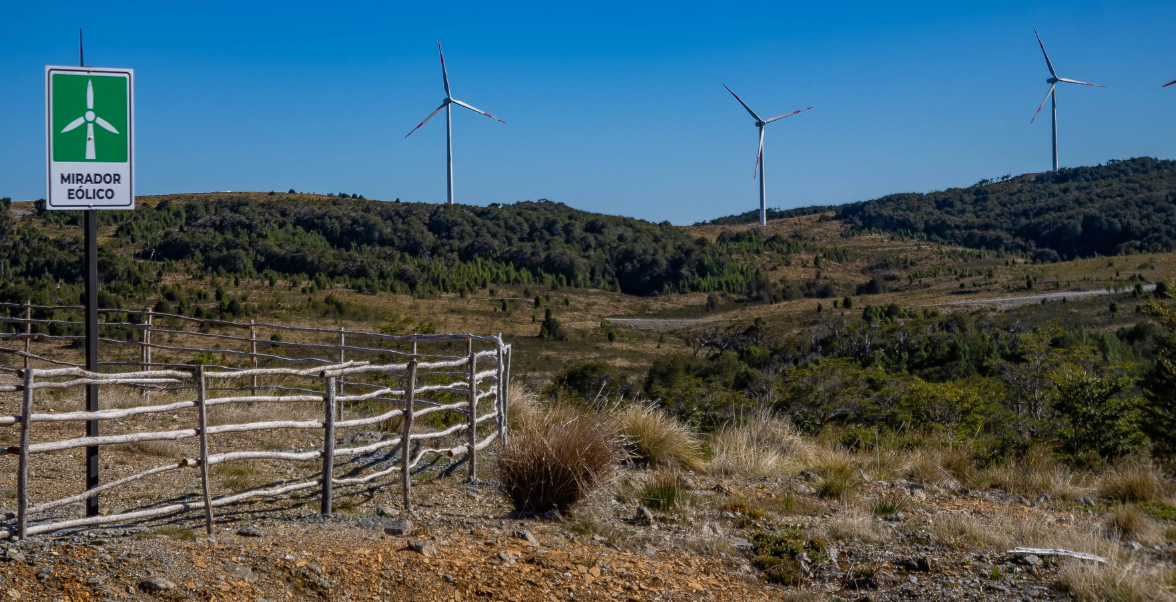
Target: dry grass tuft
(855, 525)
(760, 447)
(655, 438)
(839, 478)
(1116, 582)
(1134, 482)
(1128, 521)
(556, 458)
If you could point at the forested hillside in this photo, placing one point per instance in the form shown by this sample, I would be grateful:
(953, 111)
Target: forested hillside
(1120, 207)
(373, 246)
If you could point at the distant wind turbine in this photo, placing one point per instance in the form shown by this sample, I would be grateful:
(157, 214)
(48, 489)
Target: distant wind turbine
(89, 118)
(446, 104)
(1053, 84)
(761, 123)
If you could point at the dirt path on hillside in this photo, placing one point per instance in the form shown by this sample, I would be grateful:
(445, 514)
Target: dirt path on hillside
(1010, 302)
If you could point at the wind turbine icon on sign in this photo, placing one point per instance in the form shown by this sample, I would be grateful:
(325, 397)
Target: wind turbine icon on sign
(89, 118)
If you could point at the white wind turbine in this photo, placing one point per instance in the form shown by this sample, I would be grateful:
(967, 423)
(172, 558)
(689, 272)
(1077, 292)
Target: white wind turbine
(761, 123)
(1053, 84)
(89, 118)
(447, 104)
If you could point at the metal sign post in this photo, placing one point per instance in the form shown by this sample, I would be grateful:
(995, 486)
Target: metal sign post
(89, 159)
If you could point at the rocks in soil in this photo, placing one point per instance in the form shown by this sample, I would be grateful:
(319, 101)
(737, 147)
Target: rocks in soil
(553, 515)
(14, 555)
(741, 544)
(643, 517)
(385, 511)
(423, 548)
(398, 527)
(894, 518)
(250, 531)
(153, 585)
(242, 572)
(528, 537)
(1029, 560)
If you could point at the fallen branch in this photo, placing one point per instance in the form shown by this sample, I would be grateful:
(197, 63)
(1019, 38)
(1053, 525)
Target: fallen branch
(1057, 552)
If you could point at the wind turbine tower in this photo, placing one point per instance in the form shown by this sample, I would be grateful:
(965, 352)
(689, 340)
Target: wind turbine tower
(761, 124)
(1053, 97)
(447, 104)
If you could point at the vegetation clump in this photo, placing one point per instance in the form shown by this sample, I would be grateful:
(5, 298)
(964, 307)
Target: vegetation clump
(555, 459)
(780, 556)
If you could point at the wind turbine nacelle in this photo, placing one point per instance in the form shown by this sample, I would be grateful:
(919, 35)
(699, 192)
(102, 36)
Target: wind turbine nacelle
(1051, 81)
(760, 124)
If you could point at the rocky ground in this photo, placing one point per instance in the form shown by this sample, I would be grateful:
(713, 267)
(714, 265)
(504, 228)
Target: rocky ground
(461, 543)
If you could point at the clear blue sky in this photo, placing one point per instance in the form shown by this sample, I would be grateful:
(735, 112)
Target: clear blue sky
(616, 108)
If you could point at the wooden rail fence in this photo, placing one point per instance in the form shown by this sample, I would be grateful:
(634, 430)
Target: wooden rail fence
(459, 376)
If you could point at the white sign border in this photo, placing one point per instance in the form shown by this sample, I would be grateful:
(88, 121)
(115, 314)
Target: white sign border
(130, 73)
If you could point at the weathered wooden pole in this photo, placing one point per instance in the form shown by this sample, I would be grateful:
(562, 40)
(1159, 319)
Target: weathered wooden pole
(472, 431)
(22, 465)
(253, 355)
(202, 409)
(406, 437)
(328, 446)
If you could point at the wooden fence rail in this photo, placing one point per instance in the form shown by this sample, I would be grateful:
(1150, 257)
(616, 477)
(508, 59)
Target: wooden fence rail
(417, 385)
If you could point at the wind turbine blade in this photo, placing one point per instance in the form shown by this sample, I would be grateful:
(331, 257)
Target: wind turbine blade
(1074, 81)
(759, 155)
(458, 102)
(74, 124)
(105, 125)
(90, 141)
(444, 73)
(757, 117)
(431, 115)
(1047, 63)
(90, 95)
(785, 115)
(1168, 84)
(1051, 91)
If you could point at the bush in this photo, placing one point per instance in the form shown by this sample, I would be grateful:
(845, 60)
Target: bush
(655, 438)
(1100, 426)
(551, 329)
(555, 459)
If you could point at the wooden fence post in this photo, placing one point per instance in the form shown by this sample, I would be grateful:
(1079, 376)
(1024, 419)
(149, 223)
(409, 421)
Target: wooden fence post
(499, 391)
(253, 355)
(473, 408)
(28, 331)
(145, 348)
(406, 437)
(22, 467)
(202, 408)
(506, 390)
(328, 446)
(342, 341)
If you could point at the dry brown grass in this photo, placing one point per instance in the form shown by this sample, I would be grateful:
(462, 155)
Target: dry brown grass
(763, 446)
(1127, 521)
(655, 438)
(856, 525)
(555, 459)
(1117, 582)
(1135, 482)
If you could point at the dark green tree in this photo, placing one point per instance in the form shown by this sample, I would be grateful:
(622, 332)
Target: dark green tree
(1159, 384)
(1100, 425)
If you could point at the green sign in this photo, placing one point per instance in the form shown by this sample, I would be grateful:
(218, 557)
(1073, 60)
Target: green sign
(89, 138)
